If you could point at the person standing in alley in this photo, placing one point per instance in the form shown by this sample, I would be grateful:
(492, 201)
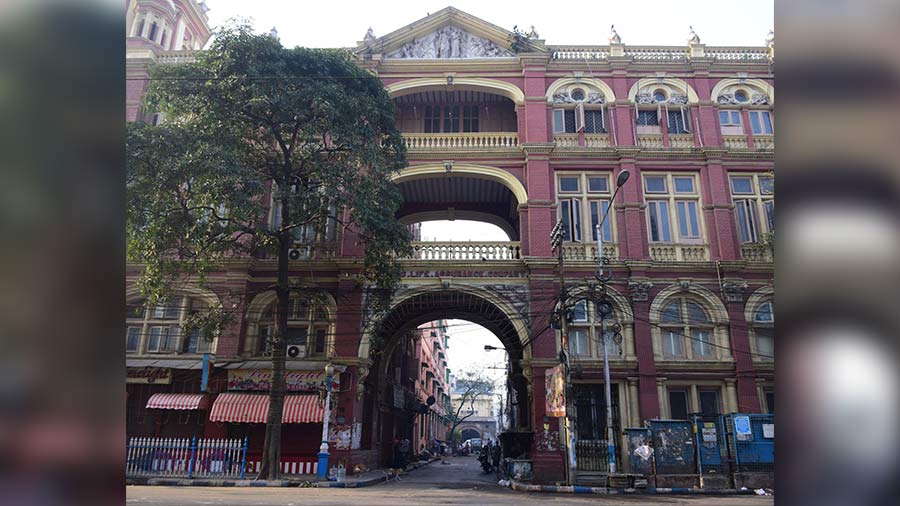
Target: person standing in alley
(495, 456)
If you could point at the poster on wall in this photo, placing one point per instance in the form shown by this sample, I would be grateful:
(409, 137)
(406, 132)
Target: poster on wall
(742, 430)
(355, 435)
(295, 381)
(556, 392)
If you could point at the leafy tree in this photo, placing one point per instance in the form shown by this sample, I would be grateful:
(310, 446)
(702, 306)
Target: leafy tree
(470, 388)
(248, 119)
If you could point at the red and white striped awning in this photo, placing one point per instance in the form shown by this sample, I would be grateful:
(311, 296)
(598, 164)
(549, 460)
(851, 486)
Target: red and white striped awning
(178, 401)
(253, 408)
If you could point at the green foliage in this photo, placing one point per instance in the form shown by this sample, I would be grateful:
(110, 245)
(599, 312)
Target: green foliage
(249, 112)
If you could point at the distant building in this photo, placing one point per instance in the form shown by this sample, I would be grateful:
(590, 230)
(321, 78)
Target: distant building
(431, 351)
(481, 420)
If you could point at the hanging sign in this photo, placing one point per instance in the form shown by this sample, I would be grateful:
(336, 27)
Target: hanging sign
(294, 381)
(556, 392)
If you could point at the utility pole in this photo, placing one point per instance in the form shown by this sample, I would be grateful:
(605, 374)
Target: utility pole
(556, 240)
(604, 308)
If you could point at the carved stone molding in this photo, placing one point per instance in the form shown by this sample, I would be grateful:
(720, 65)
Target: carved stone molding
(639, 289)
(450, 42)
(733, 289)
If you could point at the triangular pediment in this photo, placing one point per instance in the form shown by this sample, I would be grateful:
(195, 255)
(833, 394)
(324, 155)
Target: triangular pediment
(447, 34)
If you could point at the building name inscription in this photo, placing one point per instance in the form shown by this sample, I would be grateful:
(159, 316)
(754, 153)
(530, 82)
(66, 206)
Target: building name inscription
(465, 274)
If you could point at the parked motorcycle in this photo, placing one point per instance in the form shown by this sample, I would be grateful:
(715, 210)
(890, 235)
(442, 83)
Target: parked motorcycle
(486, 466)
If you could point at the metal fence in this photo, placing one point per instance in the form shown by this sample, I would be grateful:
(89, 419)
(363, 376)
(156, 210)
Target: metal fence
(673, 446)
(753, 440)
(186, 458)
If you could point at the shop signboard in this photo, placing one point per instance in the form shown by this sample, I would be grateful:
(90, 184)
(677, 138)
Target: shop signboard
(295, 381)
(149, 375)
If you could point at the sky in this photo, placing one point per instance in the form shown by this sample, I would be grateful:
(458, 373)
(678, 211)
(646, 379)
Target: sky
(648, 22)
(344, 23)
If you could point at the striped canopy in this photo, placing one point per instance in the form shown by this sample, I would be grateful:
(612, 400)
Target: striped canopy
(178, 401)
(253, 408)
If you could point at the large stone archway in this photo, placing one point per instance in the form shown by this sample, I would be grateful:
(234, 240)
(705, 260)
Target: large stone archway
(414, 307)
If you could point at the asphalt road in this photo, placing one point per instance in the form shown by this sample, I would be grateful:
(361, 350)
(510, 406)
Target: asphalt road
(460, 482)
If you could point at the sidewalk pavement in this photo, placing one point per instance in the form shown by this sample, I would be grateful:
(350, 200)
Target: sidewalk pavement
(366, 479)
(579, 489)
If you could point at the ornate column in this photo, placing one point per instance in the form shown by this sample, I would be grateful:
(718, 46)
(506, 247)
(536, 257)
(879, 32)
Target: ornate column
(662, 396)
(731, 402)
(633, 402)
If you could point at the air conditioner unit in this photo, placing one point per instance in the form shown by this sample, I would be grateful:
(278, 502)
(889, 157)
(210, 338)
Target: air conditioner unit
(296, 351)
(302, 252)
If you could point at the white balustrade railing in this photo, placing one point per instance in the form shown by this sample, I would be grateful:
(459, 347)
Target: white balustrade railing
(649, 53)
(483, 251)
(566, 140)
(580, 52)
(650, 140)
(461, 140)
(738, 54)
(679, 252)
(181, 56)
(596, 140)
(574, 251)
(756, 252)
(681, 140)
(734, 141)
(764, 141)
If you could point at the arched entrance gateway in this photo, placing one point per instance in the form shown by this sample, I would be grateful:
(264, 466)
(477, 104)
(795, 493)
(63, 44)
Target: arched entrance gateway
(389, 408)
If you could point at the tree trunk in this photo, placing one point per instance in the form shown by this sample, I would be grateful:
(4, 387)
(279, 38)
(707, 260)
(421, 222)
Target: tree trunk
(270, 468)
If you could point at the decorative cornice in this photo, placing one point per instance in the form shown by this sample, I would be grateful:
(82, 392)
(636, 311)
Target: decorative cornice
(531, 148)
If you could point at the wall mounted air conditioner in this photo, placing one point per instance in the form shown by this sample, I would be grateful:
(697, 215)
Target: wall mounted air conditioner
(296, 351)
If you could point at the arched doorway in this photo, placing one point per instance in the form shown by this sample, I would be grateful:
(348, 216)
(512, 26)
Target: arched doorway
(469, 434)
(389, 406)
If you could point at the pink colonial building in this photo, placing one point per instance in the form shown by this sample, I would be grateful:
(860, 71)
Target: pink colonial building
(433, 384)
(509, 129)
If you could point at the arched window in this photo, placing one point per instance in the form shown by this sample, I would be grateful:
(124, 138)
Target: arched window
(152, 34)
(585, 333)
(158, 329)
(735, 95)
(308, 326)
(579, 106)
(687, 331)
(763, 327)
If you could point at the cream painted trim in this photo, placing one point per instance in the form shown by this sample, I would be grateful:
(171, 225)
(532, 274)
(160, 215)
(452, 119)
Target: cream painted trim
(460, 214)
(593, 81)
(504, 88)
(478, 171)
(753, 301)
(711, 302)
(208, 295)
(622, 307)
(504, 306)
(672, 83)
(254, 313)
(759, 84)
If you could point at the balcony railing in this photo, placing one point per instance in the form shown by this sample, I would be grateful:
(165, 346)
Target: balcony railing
(764, 141)
(734, 141)
(471, 140)
(574, 251)
(580, 52)
(756, 252)
(590, 140)
(679, 252)
(651, 141)
(482, 251)
(681, 140)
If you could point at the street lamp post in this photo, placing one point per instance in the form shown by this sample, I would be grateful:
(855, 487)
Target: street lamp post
(610, 446)
(322, 471)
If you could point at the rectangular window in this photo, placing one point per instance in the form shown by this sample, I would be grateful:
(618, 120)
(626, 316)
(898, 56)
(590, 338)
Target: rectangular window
(568, 184)
(709, 402)
(678, 404)
(168, 310)
(672, 344)
(770, 401)
(265, 333)
(570, 121)
(676, 123)
(761, 122)
(320, 341)
(451, 119)
(765, 342)
(702, 344)
(470, 118)
(133, 339)
(659, 221)
(742, 185)
(730, 118)
(655, 184)
(432, 119)
(769, 206)
(766, 185)
(688, 221)
(571, 218)
(745, 212)
(579, 312)
(648, 118)
(593, 122)
(578, 343)
(598, 184)
(296, 335)
(683, 184)
(612, 348)
(159, 340)
(599, 209)
(559, 121)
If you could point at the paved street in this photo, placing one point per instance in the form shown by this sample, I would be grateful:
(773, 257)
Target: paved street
(459, 482)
